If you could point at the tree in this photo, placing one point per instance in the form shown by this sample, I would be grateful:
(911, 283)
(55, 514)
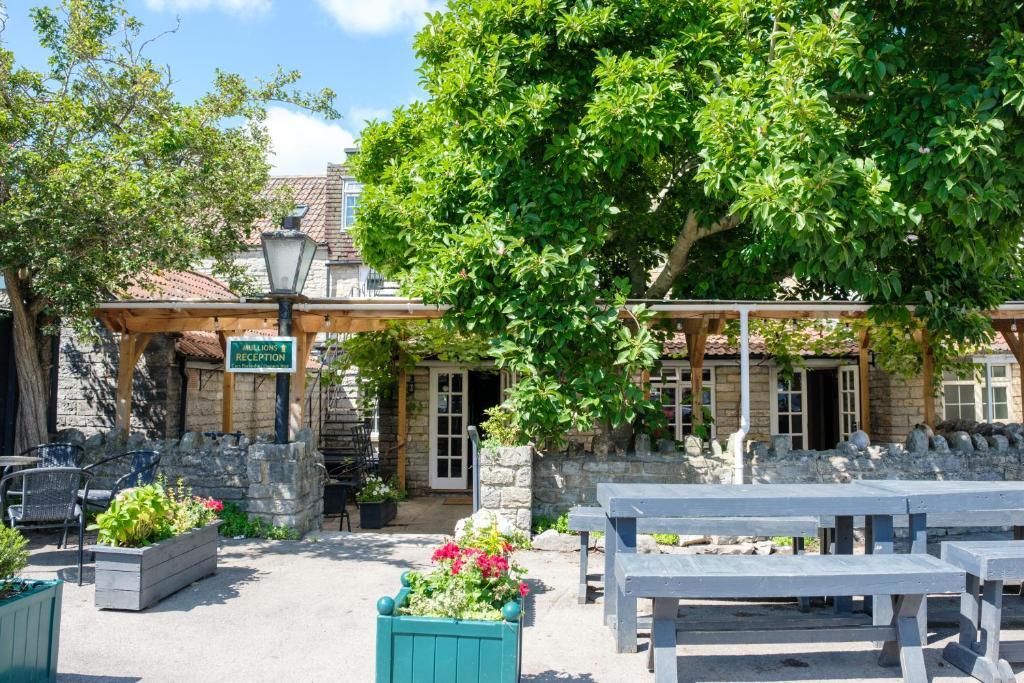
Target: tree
(574, 153)
(104, 176)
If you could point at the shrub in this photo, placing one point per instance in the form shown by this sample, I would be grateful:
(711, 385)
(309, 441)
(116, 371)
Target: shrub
(502, 427)
(376, 490)
(666, 539)
(473, 578)
(146, 514)
(13, 555)
(559, 524)
(236, 523)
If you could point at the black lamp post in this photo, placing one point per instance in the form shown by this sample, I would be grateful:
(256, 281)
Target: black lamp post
(288, 253)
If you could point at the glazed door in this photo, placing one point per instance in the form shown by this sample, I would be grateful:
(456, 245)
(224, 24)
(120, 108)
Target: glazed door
(448, 446)
(849, 400)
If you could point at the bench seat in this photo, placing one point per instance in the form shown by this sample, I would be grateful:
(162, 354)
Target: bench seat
(973, 518)
(988, 564)
(667, 578)
(586, 520)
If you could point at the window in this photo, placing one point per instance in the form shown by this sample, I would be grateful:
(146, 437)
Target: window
(350, 202)
(674, 388)
(789, 408)
(965, 398)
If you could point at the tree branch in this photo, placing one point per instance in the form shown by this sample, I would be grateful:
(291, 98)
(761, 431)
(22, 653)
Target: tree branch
(680, 252)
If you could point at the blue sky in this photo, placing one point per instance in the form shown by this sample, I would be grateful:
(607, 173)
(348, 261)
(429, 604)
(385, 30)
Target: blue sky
(362, 49)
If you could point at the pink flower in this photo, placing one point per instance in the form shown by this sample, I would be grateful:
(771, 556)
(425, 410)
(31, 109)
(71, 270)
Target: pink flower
(524, 590)
(457, 566)
(213, 504)
(449, 551)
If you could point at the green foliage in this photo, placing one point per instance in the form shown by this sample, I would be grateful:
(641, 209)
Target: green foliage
(106, 175)
(147, 514)
(542, 523)
(564, 151)
(236, 523)
(13, 553)
(376, 490)
(502, 428)
(666, 539)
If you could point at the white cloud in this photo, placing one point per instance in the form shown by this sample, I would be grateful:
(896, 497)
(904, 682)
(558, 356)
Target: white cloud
(233, 6)
(379, 16)
(304, 144)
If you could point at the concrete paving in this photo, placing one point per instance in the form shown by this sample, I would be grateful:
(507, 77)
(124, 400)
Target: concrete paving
(304, 611)
(420, 515)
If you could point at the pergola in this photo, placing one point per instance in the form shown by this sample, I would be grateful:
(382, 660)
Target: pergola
(137, 320)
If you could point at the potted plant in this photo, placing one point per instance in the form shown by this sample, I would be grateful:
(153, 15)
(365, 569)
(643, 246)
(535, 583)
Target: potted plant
(471, 602)
(378, 502)
(153, 540)
(29, 616)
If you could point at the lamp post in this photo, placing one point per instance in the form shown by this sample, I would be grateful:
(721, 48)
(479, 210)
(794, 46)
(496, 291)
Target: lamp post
(288, 253)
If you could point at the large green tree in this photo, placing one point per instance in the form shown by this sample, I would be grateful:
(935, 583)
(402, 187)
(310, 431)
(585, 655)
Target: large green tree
(104, 175)
(574, 153)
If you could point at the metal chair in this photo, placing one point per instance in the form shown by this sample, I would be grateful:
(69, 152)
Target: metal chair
(49, 500)
(366, 457)
(57, 454)
(143, 471)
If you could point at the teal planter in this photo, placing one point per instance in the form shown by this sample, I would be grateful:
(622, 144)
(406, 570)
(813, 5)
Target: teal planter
(30, 634)
(429, 650)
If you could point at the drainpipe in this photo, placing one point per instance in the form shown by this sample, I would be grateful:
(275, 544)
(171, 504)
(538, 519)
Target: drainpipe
(183, 397)
(739, 438)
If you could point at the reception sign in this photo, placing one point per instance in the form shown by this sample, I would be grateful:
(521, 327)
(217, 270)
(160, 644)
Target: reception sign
(261, 354)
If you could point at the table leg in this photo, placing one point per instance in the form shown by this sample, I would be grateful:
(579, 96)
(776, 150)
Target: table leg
(581, 596)
(844, 546)
(625, 609)
(919, 544)
(881, 544)
(980, 659)
(869, 549)
(609, 571)
(662, 657)
(803, 602)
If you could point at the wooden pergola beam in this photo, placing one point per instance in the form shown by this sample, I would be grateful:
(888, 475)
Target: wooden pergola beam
(696, 344)
(297, 392)
(864, 375)
(130, 349)
(227, 406)
(927, 378)
(403, 425)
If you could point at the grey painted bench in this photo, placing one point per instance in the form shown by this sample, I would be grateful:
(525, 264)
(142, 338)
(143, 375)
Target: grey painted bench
(988, 564)
(667, 578)
(585, 520)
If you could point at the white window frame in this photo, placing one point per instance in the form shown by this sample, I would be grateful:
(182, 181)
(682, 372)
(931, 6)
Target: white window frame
(848, 400)
(354, 189)
(681, 387)
(977, 383)
(448, 483)
(775, 378)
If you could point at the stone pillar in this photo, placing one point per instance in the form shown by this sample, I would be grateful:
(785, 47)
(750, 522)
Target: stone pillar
(285, 484)
(506, 484)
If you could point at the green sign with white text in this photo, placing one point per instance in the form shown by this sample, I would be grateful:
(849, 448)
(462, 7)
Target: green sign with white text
(261, 354)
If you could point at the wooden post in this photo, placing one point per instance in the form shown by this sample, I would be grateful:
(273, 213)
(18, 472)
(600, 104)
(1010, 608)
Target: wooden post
(645, 382)
(928, 378)
(297, 391)
(227, 406)
(695, 345)
(403, 426)
(130, 349)
(864, 370)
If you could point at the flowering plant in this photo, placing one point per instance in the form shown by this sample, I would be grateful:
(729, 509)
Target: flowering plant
(473, 577)
(376, 490)
(146, 514)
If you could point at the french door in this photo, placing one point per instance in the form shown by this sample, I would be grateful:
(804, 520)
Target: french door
(449, 398)
(789, 410)
(849, 400)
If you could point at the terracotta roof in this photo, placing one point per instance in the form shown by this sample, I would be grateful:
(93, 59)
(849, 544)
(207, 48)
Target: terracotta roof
(310, 190)
(178, 285)
(718, 345)
(206, 346)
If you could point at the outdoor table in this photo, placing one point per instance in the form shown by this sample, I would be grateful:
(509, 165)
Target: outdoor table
(625, 503)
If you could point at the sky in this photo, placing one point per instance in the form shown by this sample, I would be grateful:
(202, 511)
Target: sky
(361, 49)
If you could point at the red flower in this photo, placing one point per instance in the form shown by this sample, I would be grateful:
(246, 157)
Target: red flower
(457, 566)
(449, 551)
(508, 547)
(213, 504)
(524, 590)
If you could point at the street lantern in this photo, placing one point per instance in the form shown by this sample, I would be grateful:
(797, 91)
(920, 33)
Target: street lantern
(288, 253)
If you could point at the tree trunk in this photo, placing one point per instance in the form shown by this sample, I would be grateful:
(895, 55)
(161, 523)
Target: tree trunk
(33, 380)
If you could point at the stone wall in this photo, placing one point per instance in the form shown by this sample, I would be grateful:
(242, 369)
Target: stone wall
(256, 267)
(281, 484)
(506, 479)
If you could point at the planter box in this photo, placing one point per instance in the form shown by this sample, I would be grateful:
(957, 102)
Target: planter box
(30, 634)
(377, 515)
(420, 649)
(135, 578)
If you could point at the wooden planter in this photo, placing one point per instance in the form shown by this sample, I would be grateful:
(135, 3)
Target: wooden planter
(30, 634)
(416, 649)
(377, 515)
(135, 578)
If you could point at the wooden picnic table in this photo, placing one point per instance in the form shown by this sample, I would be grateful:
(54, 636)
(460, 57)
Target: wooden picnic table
(878, 501)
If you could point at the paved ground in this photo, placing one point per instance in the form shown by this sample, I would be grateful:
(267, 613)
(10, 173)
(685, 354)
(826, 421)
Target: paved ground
(304, 611)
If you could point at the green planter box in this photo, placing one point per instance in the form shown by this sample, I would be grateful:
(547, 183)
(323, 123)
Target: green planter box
(30, 634)
(429, 650)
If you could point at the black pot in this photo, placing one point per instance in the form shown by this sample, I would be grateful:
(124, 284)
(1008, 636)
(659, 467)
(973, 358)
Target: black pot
(335, 497)
(377, 515)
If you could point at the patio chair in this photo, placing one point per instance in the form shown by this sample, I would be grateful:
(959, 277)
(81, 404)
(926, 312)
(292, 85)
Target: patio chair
(143, 471)
(57, 454)
(367, 459)
(49, 500)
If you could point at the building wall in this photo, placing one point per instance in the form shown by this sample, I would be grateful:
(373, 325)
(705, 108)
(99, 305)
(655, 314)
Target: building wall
(727, 400)
(256, 268)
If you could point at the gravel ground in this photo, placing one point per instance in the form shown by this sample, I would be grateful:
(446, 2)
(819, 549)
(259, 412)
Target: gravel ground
(304, 611)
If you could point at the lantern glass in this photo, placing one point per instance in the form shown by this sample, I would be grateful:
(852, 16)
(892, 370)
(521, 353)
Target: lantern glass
(288, 255)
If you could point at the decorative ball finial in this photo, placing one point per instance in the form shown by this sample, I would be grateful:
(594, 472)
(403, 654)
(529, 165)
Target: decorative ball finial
(405, 579)
(511, 611)
(386, 606)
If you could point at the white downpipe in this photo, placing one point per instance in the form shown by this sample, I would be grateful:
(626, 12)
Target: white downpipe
(989, 412)
(739, 445)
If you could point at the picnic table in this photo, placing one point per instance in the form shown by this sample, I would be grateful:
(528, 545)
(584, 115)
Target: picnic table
(877, 501)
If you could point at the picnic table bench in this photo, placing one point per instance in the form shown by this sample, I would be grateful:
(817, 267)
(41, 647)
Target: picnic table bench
(667, 578)
(586, 520)
(978, 650)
